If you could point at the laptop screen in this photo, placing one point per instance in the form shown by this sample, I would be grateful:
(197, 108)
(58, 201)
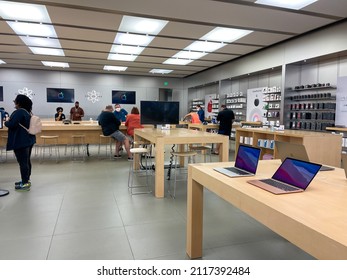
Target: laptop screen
(247, 158)
(296, 172)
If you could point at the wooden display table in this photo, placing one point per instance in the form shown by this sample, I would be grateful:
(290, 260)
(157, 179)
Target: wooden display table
(324, 148)
(178, 136)
(314, 220)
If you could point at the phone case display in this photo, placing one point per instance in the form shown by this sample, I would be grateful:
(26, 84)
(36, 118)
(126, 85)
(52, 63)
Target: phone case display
(272, 104)
(311, 107)
(215, 106)
(237, 102)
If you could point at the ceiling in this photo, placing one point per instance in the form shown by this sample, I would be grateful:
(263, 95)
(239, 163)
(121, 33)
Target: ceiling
(86, 30)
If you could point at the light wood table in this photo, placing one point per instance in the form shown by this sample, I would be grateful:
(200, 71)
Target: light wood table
(179, 136)
(315, 220)
(203, 127)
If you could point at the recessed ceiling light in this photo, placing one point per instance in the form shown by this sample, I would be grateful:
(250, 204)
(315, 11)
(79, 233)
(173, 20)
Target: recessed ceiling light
(24, 12)
(189, 55)
(47, 51)
(114, 68)
(228, 35)
(289, 4)
(142, 25)
(41, 42)
(160, 71)
(204, 46)
(133, 39)
(55, 64)
(32, 29)
(2, 62)
(122, 57)
(126, 49)
(177, 61)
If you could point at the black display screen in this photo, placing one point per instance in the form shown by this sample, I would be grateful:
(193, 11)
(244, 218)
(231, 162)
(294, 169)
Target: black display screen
(159, 112)
(60, 95)
(123, 97)
(1, 94)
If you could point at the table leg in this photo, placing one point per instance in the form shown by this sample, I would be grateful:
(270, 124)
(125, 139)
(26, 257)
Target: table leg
(195, 196)
(224, 150)
(159, 169)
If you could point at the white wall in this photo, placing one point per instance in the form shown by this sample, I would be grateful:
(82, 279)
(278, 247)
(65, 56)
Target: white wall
(147, 88)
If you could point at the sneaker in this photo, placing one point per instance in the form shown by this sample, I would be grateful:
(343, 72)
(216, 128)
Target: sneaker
(130, 159)
(23, 187)
(20, 182)
(117, 156)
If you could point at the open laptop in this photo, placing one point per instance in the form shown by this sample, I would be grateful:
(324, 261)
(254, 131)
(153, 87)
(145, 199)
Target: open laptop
(287, 149)
(246, 162)
(292, 176)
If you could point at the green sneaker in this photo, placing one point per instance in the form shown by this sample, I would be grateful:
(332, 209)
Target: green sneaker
(23, 187)
(20, 182)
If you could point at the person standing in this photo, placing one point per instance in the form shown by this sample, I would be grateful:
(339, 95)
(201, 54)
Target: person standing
(133, 121)
(4, 114)
(225, 118)
(120, 113)
(59, 116)
(201, 113)
(110, 127)
(19, 140)
(76, 113)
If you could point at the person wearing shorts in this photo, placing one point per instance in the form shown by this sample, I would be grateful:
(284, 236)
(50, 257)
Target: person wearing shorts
(110, 127)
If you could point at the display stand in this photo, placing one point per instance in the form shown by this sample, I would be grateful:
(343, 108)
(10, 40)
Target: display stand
(4, 192)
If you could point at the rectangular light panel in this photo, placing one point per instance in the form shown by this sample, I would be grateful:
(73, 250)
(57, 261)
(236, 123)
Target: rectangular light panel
(289, 4)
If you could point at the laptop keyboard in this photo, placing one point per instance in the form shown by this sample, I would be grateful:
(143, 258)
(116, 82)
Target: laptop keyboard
(279, 185)
(237, 171)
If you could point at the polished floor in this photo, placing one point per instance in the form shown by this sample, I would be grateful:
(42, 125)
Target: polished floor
(83, 211)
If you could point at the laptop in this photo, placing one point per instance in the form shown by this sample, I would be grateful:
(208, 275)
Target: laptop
(292, 176)
(246, 162)
(287, 149)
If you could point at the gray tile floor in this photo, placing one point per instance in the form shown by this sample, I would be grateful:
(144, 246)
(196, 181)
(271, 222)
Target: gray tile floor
(83, 210)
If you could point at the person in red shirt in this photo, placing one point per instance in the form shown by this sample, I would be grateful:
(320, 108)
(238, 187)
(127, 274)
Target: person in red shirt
(133, 121)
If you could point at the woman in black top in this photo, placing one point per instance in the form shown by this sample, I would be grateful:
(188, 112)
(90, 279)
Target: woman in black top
(59, 116)
(20, 141)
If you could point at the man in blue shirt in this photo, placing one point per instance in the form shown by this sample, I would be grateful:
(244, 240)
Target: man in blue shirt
(120, 113)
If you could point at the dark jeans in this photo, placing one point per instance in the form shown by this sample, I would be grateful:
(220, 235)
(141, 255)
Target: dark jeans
(23, 158)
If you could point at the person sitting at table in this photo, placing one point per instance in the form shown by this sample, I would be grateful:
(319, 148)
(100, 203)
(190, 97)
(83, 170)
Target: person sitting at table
(133, 121)
(192, 117)
(110, 127)
(59, 116)
(120, 113)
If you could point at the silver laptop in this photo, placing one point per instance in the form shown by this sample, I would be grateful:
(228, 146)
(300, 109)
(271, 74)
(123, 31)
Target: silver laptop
(287, 149)
(246, 162)
(292, 176)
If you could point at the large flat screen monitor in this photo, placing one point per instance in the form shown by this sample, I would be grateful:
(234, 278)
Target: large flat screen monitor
(1, 120)
(123, 97)
(1, 94)
(159, 112)
(61, 95)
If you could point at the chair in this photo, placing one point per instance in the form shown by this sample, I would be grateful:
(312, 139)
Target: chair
(50, 142)
(203, 149)
(78, 143)
(107, 142)
(3, 146)
(133, 174)
(191, 159)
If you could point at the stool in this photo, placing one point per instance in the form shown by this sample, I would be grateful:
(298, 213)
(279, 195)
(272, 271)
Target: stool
(140, 152)
(53, 145)
(203, 149)
(185, 154)
(78, 143)
(108, 144)
(3, 146)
